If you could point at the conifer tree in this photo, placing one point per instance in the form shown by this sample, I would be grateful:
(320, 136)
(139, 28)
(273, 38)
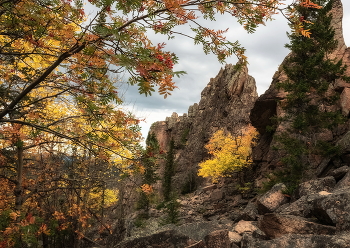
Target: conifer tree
(168, 172)
(149, 163)
(310, 72)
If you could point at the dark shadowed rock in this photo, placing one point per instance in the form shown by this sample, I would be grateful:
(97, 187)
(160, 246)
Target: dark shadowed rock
(276, 225)
(165, 239)
(218, 239)
(234, 246)
(344, 182)
(299, 241)
(333, 209)
(339, 173)
(200, 244)
(300, 207)
(272, 199)
(250, 212)
(344, 143)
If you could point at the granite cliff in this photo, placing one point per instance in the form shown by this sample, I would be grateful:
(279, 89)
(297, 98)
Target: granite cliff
(225, 104)
(270, 105)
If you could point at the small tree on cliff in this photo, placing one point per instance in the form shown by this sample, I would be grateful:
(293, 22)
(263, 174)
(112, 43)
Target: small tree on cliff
(230, 153)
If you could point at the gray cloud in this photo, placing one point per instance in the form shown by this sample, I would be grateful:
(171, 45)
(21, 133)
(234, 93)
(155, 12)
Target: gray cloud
(265, 50)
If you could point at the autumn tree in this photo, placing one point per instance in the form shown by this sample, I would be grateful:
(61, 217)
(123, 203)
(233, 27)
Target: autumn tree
(229, 153)
(59, 101)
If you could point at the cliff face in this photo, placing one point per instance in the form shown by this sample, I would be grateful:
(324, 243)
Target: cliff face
(225, 104)
(270, 105)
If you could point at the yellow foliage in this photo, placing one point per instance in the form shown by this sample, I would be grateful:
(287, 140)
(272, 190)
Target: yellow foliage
(147, 189)
(230, 153)
(108, 196)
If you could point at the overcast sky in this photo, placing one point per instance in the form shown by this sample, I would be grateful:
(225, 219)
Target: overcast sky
(264, 48)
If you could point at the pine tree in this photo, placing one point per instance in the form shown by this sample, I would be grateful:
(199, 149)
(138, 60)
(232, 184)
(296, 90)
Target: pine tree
(168, 172)
(307, 107)
(311, 72)
(149, 162)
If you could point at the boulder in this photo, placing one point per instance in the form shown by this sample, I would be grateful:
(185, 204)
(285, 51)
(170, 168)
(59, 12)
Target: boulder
(333, 209)
(218, 239)
(199, 230)
(216, 195)
(164, 239)
(276, 225)
(344, 143)
(249, 213)
(299, 241)
(300, 207)
(344, 182)
(251, 227)
(317, 185)
(339, 173)
(245, 226)
(199, 244)
(234, 238)
(272, 199)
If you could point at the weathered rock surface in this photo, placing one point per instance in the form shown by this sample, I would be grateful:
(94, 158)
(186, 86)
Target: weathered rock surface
(315, 186)
(299, 207)
(274, 198)
(225, 104)
(165, 239)
(333, 209)
(276, 225)
(218, 239)
(269, 105)
(339, 173)
(316, 219)
(249, 213)
(299, 241)
(344, 182)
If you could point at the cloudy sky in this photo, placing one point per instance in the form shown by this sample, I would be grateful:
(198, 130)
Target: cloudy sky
(265, 51)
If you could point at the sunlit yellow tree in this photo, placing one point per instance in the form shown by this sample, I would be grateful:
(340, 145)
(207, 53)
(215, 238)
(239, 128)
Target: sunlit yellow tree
(229, 153)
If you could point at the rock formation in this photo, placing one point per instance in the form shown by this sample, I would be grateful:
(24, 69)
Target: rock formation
(222, 215)
(225, 104)
(268, 105)
(318, 216)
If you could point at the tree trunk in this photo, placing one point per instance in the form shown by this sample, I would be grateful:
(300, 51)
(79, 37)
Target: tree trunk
(18, 191)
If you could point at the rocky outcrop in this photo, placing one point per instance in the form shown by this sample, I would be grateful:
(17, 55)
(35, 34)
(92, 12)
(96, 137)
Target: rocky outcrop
(225, 104)
(314, 218)
(269, 106)
(225, 214)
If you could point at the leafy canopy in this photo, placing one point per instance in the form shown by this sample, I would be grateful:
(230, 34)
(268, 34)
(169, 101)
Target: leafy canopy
(229, 153)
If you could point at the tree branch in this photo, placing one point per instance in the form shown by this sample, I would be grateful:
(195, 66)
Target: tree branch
(75, 49)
